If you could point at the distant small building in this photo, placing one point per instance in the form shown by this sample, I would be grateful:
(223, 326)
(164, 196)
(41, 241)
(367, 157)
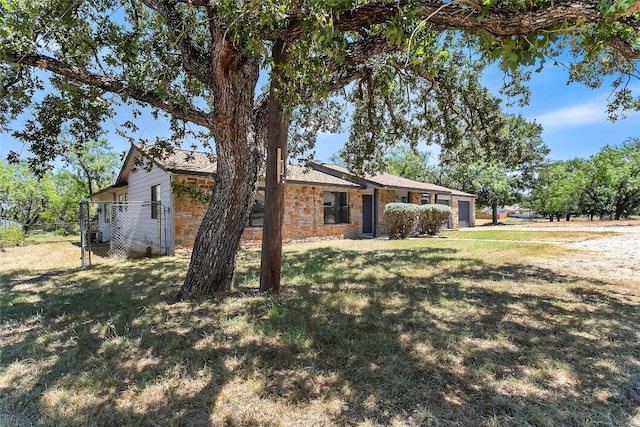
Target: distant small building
(487, 213)
(5, 222)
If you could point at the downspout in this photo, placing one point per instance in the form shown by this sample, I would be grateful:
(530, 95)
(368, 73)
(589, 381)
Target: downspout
(169, 214)
(375, 212)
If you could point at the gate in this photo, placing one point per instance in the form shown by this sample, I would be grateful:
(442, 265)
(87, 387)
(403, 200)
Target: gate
(130, 229)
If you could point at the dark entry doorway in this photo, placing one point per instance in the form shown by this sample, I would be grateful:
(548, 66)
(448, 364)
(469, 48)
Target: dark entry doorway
(367, 214)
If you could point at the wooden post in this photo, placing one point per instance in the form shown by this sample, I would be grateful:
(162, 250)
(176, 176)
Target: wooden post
(277, 134)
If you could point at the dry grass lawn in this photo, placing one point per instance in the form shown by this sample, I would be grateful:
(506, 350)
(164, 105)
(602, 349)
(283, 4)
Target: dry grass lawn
(438, 332)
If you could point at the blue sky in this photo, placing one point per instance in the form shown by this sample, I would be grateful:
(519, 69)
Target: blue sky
(573, 117)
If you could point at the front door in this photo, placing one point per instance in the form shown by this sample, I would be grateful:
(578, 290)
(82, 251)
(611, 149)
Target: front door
(367, 214)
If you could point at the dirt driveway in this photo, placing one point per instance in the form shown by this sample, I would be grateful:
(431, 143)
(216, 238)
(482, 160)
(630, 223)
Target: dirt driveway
(613, 258)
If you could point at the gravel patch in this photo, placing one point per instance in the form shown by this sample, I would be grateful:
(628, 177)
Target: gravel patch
(612, 258)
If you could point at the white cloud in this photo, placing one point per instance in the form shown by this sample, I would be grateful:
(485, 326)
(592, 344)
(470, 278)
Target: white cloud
(576, 115)
(586, 111)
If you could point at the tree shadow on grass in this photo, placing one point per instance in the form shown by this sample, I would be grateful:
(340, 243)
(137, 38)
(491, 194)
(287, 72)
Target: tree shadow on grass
(450, 349)
(353, 338)
(78, 351)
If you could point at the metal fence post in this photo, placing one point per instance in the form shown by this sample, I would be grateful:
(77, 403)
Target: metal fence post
(84, 208)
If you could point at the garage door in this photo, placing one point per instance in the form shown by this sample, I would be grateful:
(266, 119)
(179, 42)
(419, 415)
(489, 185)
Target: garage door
(464, 213)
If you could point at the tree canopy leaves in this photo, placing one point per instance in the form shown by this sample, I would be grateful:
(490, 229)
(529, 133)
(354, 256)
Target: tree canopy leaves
(606, 185)
(109, 53)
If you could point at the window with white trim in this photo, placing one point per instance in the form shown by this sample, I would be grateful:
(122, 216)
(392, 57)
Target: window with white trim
(156, 200)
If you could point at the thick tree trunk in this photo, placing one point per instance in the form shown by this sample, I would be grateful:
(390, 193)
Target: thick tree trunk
(238, 157)
(277, 133)
(494, 213)
(619, 212)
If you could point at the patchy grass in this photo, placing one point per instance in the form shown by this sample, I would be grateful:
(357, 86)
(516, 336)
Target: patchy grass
(418, 332)
(527, 235)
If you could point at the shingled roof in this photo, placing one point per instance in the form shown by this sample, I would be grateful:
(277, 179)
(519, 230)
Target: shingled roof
(305, 175)
(385, 180)
(199, 163)
(186, 162)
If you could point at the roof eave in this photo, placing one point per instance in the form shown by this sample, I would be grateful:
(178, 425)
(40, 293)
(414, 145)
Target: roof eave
(110, 189)
(187, 172)
(324, 184)
(416, 189)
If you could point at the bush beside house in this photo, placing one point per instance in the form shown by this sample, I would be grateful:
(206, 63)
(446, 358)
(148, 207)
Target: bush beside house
(11, 235)
(405, 219)
(432, 217)
(401, 219)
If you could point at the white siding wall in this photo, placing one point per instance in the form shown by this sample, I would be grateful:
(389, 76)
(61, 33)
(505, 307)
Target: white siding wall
(103, 226)
(140, 183)
(103, 202)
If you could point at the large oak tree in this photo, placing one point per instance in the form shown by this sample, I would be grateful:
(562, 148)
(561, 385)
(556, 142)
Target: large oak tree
(198, 62)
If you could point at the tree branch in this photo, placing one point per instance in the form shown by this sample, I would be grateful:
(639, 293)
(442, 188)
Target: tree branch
(625, 49)
(196, 62)
(458, 15)
(354, 65)
(111, 85)
(461, 15)
(363, 16)
(196, 3)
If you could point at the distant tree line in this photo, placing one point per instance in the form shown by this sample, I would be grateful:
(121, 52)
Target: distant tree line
(54, 196)
(607, 185)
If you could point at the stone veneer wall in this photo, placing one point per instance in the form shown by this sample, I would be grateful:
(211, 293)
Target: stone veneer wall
(455, 219)
(472, 207)
(188, 213)
(384, 197)
(473, 212)
(416, 198)
(304, 215)
(251, 234)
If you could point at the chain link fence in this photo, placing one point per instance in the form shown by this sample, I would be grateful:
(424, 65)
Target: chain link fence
(28, 215)
(131, 229)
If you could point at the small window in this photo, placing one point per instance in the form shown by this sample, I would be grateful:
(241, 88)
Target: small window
(256, 216)
(155, 201)
(403, 199)
(336, 207)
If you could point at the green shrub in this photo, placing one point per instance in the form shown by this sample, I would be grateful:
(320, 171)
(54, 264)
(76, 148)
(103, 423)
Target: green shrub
(11, 235)
(431, 218)
(400, 219)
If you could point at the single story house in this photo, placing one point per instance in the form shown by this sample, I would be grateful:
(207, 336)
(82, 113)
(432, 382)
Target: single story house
(321, 200)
